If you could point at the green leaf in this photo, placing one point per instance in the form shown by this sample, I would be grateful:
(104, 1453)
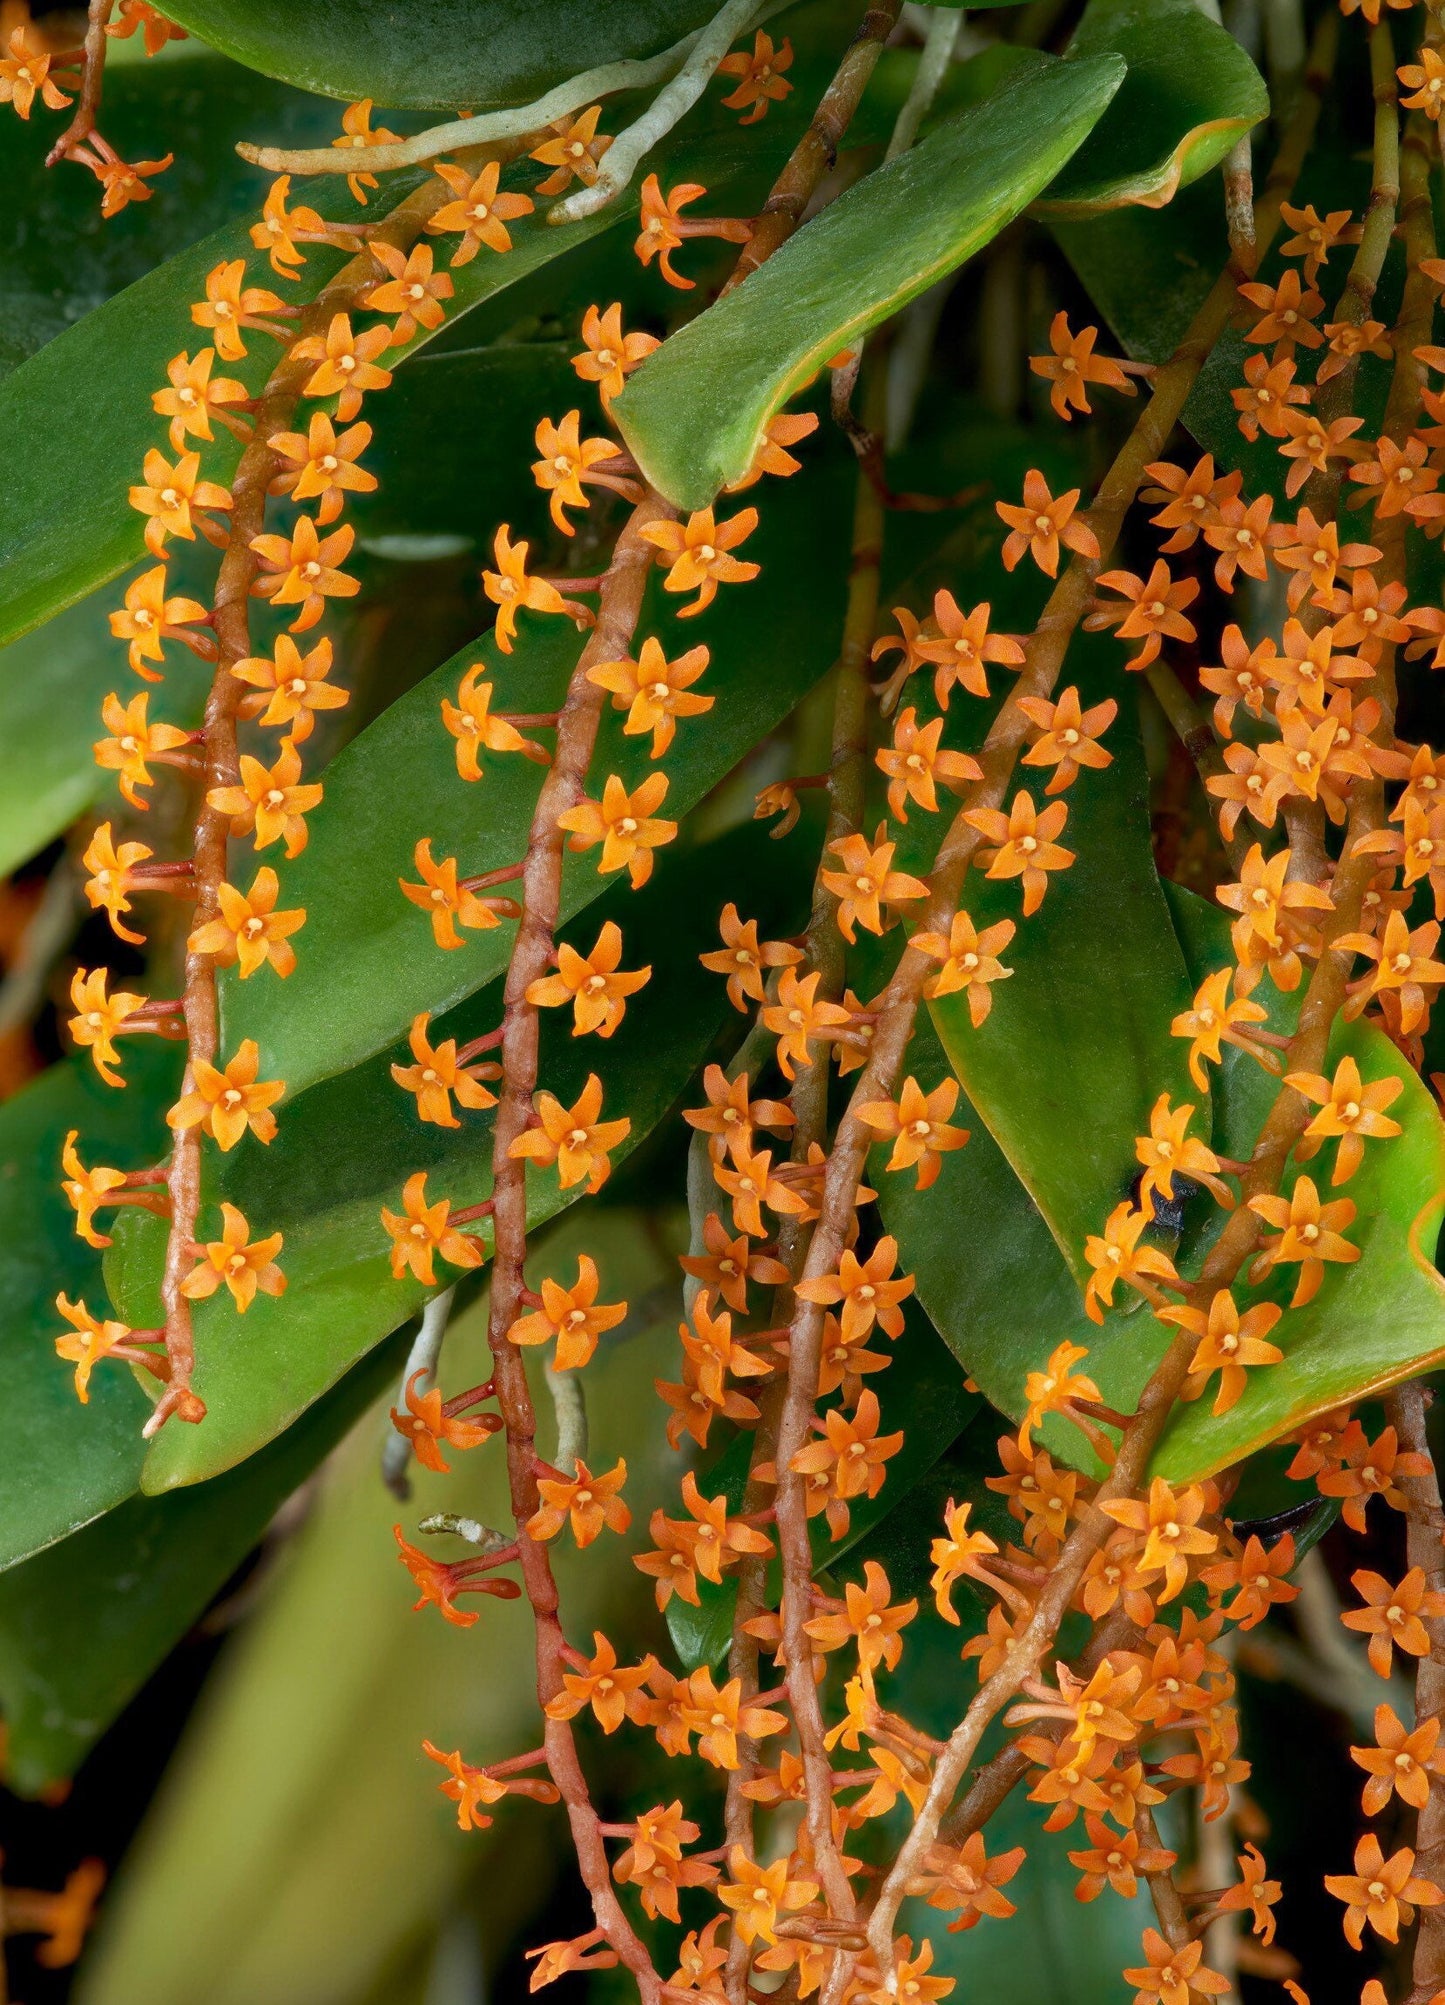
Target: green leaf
(333, 1854)
(694, 413)
(922, 1392)
(366, 958)
(62, 1463)
(481, 54)
(345, 1148)
(83, 1624)
(1066, 1067)
(1190, 92)
(1373, 1323)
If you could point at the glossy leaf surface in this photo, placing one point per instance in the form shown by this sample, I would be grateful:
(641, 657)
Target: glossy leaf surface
(694, 413)
(1189, 94)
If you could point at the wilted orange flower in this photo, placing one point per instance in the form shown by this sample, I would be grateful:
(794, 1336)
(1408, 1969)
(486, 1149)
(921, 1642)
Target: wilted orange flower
(430, 1424)
(440, 1071)
(1023, 844)
(1228, 1342)
(242, 1263)
(326, 465)
(481, 211)
(583, 1952)
(1349, 1109)
(414, 291)
(743, 957)
(589, 1503)
(867, 882)
(654, 691)
(193, 399)
(574, 151)
(448, 901)
(226, 1101)
(591, 983)
(149, 619)
(62, 1918)
(441, 1581)
(572, 1138)
(357, 131)
(269, 803)
(248, 929)
(917, 1125)
(229, 306)
(1042, 523)
(1073, 366)
(697, 553)
(302, 570)
(419, 1230)
(664, 227)
(1383, 1892)
(610, 356)
(624, 825)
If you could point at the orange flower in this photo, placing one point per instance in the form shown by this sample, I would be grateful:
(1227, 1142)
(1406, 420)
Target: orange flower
(758, 1895)
(664, 228)
(970, 961)
(25, 70)
(970, 1880)
(1155, 610)
(591, 983)
(728, 1265)
(697, 553)
(167, 495)
(1213, 1019)
(269, 803)
(1068, 737)
(414, 290)
(193, 399)
(742, 957)
(751, 1182)
(1370, 1469)
(1259, 1578)
(1023, 844)
(865, 1618)
(1308, 1232)
(570, 1316)
(654, 1862)
(1115, 1859)
(356, 131)
(916, 761)
(1403, 966)
(134, 741)
(149, 619)
(302, 570)
(589, 1503)
(1055, 1388)
(1244, 538)
(653, 691)
(122, 182)
(1425, 81)
(228, 307)
(419, 1230)
(1228, 1342)
(572, 1138)
(760, 78)
(1173, 1976)
(480, 211)
(603, 1684)
(438, 1073)
(1073, 366)
(448, 902)
(441, 1581)
(95, 1338)
(62, 1918)
(468, 1787)
(1192, 501)
(1400, 1763)
(1266, 900)
(86, 1190)
(1315, 235)
(567, 461)
(703, 1543)
(771, 456)
(624, 824)
(249, 929)
(242, 1263)
(281, 231)
(429, 1425)
(867, 881)
(1042, 523)
(99, 1019)
(471, 723)
(1383, 1892)
(294, 687)
(917, 1125)
(1169, 1520)
(851, 1454)
(1168, 1150)
(226, 1102)
(325, 465)
(1288, 310)
(511, 586)
(610, 356)
(574, 152)
(1349, 1109)
(113, 874)
(798, 1018)
(864, 1289)
(346, 364)
(1393, 1617)
(958, 1555)
(583, 1952)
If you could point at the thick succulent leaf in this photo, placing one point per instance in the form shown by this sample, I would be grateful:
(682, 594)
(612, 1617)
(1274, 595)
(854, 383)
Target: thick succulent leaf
(60, 258)
(694, 413)
(921, 1392)
(62, 1463)
(345, 1148)
(1065, 1069)
(83, 1624)
(1372, 1323)
(336, 1854)
(366, 960)
(1190, 92)
(481, 54)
